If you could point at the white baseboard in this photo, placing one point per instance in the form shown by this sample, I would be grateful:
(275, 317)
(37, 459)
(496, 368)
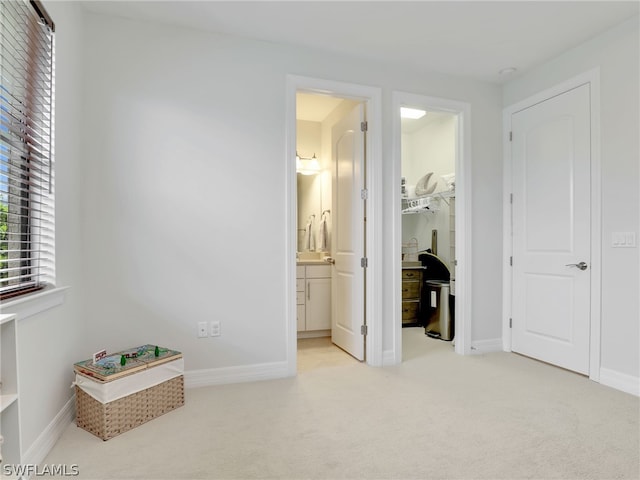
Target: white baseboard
(38, 451)
(486, 346)
(314, 334)
(389, 358)
(620, 381)
(246, 373)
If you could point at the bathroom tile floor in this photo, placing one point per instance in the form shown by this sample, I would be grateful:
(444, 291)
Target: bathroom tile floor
(314, 353)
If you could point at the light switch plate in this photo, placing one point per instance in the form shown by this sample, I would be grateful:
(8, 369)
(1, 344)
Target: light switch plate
(631, 239)
(623, 239)
(214, 328)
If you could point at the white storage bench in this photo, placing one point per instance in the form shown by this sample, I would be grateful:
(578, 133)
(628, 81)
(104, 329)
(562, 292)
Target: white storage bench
(149, 386)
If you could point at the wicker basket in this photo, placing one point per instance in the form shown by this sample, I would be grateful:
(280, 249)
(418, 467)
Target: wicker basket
(113, 418)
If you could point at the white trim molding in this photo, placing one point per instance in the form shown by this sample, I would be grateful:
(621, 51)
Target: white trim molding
(35, 303)
(389, 358)
(592, 78)
(620, 381)
(41, 447)
(315, 334)
(486, 346)
(244, 373)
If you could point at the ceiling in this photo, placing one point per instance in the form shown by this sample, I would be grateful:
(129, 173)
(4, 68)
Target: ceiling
(315, 108)
(409, 125)
(474, 39)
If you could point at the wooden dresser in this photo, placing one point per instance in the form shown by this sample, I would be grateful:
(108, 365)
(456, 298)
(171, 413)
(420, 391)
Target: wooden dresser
(411, 294)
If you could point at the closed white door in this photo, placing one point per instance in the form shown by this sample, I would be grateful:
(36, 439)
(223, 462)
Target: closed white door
(347, 276)
(551, 158)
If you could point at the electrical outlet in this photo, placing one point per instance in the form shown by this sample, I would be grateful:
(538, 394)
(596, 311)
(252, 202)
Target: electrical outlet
(215, 328)
(202, 330)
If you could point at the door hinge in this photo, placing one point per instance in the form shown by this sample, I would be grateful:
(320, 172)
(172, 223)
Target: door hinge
(363, 330)
(364, 262)
(511, 261)
(511, 198)
(364, 194)
(511, 323)
(364, 126)
(511, 136)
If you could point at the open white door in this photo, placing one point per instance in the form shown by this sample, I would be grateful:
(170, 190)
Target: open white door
(551, 158)
(348, 246)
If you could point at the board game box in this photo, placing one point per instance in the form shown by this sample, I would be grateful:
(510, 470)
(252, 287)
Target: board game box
(126, 362)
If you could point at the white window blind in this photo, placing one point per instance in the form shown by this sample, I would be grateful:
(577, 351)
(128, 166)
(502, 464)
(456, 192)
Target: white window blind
(26, 148)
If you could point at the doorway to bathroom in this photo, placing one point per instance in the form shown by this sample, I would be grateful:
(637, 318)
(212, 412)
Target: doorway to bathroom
(333, 151)
(432, 230)
(330, 155)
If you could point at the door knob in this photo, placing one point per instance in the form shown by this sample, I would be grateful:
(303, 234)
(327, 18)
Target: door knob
(330, 260)
(581, 265)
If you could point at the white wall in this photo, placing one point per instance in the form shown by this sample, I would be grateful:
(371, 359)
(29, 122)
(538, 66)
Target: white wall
(50, 342)
(185, 189)
(616, 53)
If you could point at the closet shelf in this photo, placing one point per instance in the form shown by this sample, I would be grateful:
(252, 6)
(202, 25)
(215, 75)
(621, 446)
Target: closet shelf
(426, 203)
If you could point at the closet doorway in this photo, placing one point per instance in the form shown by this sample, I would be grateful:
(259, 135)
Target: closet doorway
(432, 222)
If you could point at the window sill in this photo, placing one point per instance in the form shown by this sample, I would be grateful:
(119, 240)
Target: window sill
(28, 305)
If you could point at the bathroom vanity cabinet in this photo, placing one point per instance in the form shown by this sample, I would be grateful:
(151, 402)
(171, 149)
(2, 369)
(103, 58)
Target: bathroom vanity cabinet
(313, 293)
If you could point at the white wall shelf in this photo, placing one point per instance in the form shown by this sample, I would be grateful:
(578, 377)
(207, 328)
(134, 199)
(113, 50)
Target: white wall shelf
(9, 397)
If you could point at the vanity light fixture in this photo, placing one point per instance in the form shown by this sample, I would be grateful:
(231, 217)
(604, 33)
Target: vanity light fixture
(412, 113)
(307, 166)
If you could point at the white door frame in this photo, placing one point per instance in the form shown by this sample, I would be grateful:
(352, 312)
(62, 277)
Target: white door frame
(463, 216)
(591, 77)
(372, 98)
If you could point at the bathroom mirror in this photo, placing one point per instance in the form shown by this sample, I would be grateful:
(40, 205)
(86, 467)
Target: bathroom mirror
(309, 209)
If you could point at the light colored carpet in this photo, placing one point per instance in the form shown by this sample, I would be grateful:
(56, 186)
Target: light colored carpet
(436, 416)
